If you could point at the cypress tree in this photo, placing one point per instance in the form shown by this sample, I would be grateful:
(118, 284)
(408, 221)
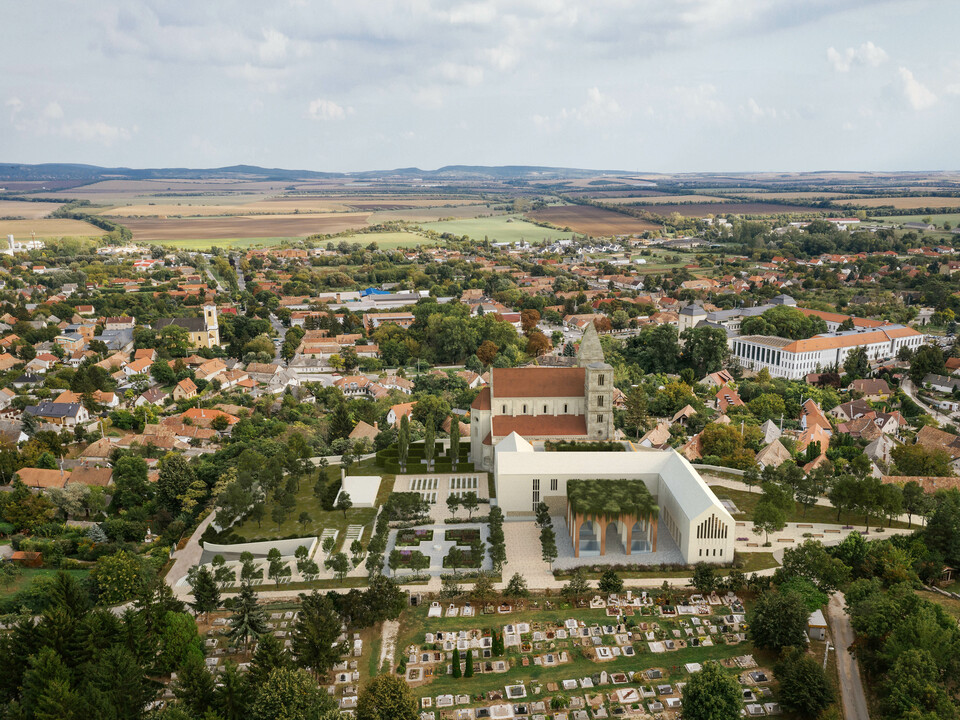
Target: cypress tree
(456, 662)
(468, 671)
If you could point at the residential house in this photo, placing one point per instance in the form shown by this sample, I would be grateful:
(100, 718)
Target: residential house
(932, 438)
(398, 411)
(872, 389)
(153, 396)
(43, 479)
(773, 455)
(185, 390)
(726, 397)
(61, 414)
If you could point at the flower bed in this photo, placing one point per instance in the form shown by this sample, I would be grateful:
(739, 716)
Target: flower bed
(413, 536)
(465, 536)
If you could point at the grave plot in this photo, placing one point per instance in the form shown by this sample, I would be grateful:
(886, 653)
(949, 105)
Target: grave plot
(595, 659)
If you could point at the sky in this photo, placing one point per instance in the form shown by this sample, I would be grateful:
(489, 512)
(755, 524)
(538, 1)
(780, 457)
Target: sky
(349, 85)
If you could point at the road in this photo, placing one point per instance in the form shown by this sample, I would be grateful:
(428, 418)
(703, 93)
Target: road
(851, 687)
(908, 388)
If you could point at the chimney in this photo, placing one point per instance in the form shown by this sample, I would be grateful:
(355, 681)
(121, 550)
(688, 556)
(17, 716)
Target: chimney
(376, 425)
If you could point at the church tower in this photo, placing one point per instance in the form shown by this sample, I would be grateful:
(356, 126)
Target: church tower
(598, 385)
(211, 326)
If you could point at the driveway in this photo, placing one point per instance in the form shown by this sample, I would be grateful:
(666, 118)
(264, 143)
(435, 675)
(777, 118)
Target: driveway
(851, 687)
(908, 388)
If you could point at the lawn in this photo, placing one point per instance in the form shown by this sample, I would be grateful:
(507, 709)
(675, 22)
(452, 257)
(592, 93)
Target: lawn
(415, 623)
(936, 219)
(28, 575)
(387, 240)
(752, 562)
(949, 604)
(499, 228)
(746, 502)
(320, 519)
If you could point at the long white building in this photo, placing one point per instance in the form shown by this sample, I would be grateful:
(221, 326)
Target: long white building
(689, 511)
(795, 359)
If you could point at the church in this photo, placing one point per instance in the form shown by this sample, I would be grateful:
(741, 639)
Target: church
(204, 331)
(545, 403)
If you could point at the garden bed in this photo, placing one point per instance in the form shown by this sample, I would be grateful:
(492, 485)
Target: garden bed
(465, 536)
(411, 536)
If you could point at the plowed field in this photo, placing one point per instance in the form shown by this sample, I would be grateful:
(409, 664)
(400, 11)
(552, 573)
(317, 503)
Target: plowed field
(591, 220)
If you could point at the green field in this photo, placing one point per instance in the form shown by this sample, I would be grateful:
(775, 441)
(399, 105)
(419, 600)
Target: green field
(938, 220)
(29, 575)
(320, 519)
(746, 502)
(500, 228)
(385, 241)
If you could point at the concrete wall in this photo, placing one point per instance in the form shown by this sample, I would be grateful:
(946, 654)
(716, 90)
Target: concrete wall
(260, 549)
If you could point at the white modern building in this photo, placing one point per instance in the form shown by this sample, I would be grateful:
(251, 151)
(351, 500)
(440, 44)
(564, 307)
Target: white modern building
(688, 509)
(795, 359)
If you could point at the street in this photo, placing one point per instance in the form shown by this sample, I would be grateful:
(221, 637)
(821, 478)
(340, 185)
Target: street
(851, 687)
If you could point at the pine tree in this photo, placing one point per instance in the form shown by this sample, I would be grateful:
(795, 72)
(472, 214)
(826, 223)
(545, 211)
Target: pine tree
(206, 593)
(315, 634)
(249, 619)
(340, 423)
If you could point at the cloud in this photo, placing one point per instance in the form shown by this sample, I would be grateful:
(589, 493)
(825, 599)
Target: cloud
(321, 109)
(274, 46)
(867, 54)
(918, 95)
(53, 111)
(758, 112)
(94, 131)
(473, 14)
(468, 75)
(598, 109)
(502, 57)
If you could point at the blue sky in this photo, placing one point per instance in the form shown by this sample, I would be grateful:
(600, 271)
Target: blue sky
(649, 85)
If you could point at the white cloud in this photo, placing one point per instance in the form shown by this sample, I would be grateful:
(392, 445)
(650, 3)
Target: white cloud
(53, 111)
(918, 95)
(867, 54)
(15, 104)
(502, 57)
(699, 101)
(321, 109)
(597, 108)
(274, 46)
(94, 131)
(468, 75)
(473, 14)
(758, 112)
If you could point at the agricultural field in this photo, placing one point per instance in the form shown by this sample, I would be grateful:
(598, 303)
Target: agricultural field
(904, 203)
(938, 220)
(592, 220)
(249, 205)
(665, 199)
(48, 228)
(26, 210)
(803, 195)
(388, 240)
(725, 208)
(432, 213)
(249, 226)
(500, 228)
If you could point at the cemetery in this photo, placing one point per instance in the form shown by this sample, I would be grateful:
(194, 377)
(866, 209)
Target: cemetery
(626, 655)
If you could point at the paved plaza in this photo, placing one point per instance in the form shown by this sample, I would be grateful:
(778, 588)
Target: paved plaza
(438, 548)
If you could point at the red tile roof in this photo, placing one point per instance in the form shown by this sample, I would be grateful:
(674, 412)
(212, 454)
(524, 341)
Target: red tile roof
(538, 382)
(530, 426)
(482, 400)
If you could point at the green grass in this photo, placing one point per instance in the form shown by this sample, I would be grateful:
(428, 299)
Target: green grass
(385, 241)
(746, 503)
(500, 228)
(28, 575)
(752, 562)
(414, 624)
(938, 219)
(320, 519)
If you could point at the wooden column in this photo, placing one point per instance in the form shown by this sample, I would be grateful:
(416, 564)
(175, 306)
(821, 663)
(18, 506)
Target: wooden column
(629, 541)
(576, 535)
(603, 538)
(655, 522)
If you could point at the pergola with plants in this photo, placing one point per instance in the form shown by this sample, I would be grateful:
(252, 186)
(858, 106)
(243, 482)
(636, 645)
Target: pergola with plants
(627, 503)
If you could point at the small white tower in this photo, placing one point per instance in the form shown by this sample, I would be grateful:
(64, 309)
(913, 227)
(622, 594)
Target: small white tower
(210, 325)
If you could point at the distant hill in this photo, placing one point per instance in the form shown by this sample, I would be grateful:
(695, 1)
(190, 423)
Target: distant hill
(12, 172)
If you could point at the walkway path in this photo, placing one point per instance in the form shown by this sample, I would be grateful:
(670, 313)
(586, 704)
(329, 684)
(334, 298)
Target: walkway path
(911, 391)
(188, 557)
(388, 644)
(851, 687)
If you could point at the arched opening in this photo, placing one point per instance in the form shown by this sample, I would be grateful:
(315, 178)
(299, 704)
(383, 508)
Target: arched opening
(640, 537)
(613, 542)
(589, 539)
